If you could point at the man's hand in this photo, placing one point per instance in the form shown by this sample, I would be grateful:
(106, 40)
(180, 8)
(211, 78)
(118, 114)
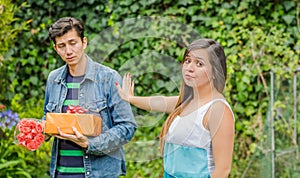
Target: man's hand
(78, 138)
(46, 136)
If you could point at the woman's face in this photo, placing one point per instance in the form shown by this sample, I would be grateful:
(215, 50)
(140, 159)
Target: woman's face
(196, 69)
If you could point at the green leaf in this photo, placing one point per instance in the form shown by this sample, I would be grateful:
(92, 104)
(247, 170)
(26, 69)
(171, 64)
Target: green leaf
(34, 80)
(9, 164)
(288, 19)
(288, 5)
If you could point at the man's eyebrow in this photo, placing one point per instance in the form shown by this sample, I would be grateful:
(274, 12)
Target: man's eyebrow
(71, 40)
(60, 43)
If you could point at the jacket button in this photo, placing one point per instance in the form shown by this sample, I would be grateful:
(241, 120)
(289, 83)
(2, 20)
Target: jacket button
(86, 157)
(87, 173)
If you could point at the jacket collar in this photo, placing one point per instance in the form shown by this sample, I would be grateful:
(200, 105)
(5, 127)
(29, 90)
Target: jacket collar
(90, 71)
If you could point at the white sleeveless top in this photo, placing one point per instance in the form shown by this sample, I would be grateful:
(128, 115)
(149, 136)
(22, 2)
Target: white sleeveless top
(188, 145)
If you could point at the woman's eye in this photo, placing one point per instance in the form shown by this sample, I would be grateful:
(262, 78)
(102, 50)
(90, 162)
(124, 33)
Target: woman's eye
(199, 64)
(187, 61)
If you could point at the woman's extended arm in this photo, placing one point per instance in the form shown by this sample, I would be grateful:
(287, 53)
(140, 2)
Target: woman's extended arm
(152, 103)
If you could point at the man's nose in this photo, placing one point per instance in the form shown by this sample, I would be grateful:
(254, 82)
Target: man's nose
(68, 49)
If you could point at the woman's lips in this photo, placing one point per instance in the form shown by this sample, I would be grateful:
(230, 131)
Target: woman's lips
(187, 76)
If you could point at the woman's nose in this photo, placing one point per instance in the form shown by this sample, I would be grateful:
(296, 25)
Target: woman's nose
(190, 67)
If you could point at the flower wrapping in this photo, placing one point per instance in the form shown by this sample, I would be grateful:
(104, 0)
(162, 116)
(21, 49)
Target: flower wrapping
(86, 124)
(29, 133)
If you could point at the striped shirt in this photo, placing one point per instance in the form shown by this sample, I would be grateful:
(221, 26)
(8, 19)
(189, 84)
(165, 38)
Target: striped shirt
(70, 157)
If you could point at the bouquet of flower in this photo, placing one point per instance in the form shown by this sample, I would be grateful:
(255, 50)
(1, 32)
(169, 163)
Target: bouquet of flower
(29, 133)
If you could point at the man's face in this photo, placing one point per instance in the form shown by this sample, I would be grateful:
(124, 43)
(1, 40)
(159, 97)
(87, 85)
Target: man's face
(70, 47)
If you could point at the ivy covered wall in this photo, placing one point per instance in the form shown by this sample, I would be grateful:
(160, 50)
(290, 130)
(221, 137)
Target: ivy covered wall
(148, 38)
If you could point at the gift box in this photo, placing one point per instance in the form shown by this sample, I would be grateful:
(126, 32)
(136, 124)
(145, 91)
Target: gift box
(86, 124)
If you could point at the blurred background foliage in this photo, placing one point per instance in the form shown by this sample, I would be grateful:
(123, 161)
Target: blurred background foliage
(148, 38)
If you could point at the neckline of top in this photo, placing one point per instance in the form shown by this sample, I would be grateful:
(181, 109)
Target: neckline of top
(216, 99)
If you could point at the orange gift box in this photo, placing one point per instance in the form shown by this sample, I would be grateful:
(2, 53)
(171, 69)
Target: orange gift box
(86, 124)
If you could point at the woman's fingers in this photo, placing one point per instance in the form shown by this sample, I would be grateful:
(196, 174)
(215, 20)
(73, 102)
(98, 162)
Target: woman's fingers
(127, 89)
(127, 82)
(129, 86)
(132, 88)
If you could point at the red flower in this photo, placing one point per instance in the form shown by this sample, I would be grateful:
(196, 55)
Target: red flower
(76, 110)
(39, 128)
(21, 137)
(29, 133)
(32, 145)
(2, 107)
(24, 129)
(34, 132)
(39, 138)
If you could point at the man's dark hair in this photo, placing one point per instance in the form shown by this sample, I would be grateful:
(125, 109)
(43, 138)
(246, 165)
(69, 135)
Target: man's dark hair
(63, 25)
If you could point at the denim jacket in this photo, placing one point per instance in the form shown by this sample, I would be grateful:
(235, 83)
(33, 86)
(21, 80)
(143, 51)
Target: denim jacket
(104, 156)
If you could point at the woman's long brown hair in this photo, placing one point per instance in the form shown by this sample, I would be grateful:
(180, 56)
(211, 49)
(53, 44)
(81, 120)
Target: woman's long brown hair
(186, 94)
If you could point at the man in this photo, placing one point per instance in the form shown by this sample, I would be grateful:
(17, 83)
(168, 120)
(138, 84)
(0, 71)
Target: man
(86, 83)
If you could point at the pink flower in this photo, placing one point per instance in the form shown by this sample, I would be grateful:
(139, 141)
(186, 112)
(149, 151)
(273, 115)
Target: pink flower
(29, 133)
(24, 129)
(34, 132)
(39, 127)
(39, 138)
(32, 145)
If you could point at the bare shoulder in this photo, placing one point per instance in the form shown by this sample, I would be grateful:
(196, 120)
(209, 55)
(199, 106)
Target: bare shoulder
(222, 107)
(220, 118)
(219, 111)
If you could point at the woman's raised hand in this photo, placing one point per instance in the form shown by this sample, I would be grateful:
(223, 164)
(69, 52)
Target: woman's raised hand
(127, 90)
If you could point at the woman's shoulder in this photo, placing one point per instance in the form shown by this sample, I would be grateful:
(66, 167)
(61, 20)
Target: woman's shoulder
(218, 105)
(220, 100)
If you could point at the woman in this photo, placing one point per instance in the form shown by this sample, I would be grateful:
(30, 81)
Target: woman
(197, 138)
